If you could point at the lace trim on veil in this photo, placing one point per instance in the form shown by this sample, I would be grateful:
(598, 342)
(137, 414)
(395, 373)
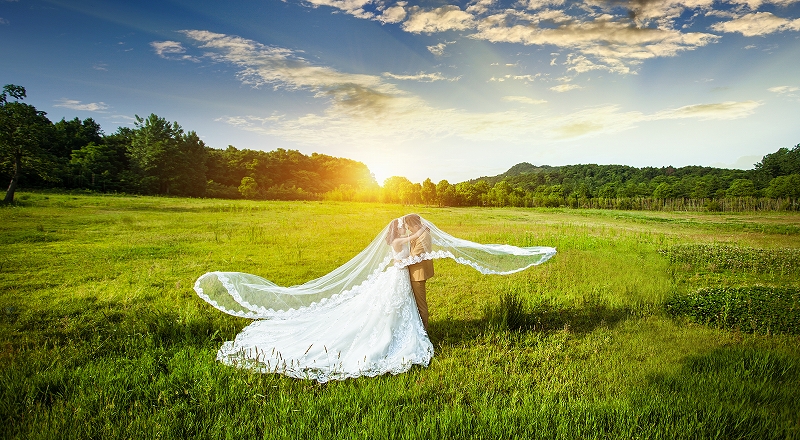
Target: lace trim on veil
(252, 297)
(435, 255)
(262, 312)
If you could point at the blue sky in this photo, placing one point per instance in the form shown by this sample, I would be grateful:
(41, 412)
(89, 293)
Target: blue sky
(440, 89)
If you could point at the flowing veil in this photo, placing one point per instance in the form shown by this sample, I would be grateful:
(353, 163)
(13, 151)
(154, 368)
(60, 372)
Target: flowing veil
(251, 296)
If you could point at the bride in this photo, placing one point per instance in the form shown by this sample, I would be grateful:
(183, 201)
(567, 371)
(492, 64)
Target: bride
(361, 319)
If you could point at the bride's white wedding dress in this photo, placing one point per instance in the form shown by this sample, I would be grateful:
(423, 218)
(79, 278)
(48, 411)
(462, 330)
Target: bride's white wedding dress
(360, 319)
(376, 331)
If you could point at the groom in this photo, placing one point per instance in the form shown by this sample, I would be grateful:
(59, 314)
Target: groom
(423, 270)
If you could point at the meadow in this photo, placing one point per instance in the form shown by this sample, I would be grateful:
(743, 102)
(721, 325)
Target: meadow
(103, 337)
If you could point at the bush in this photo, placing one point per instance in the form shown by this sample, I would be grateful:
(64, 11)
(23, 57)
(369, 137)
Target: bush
(219, 191)
(722, 257)
(713, 206)
(754, 309)
(510, 314)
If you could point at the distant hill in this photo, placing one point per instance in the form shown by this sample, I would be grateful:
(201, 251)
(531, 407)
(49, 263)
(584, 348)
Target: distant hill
(525, 184)
(525, 172)
(517, 170)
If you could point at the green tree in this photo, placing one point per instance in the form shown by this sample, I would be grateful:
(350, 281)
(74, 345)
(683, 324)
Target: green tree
(428, 192)
(780, 163)
(99, 166)
(703, 188)
(741, 188)
(467, 193)
(190, 172)
(74, 134)
(499, 194)
(784, 186)
(446, 193)
(397, 189)
(24, 132)
(167, 160)
(248, 188)
(481, 187)
(608, 190)
(664, 191)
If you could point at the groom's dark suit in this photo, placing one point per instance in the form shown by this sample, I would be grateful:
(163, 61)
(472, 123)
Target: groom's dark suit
(420, 272)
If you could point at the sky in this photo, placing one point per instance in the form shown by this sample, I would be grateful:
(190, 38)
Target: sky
(436, 89)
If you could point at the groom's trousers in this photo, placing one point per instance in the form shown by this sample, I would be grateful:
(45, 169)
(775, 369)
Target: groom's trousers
(422, 302)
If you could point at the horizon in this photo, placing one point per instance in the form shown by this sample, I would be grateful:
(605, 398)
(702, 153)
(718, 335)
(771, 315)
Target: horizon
(446, 91)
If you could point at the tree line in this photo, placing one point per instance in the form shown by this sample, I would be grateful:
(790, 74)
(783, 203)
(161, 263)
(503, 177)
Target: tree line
(158, 157)
(775, 178)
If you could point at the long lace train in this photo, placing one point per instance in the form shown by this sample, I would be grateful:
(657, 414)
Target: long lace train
(374, 332)
(360, 319)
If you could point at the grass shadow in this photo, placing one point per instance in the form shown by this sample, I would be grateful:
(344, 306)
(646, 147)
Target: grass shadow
(101, 329)
(512, 314)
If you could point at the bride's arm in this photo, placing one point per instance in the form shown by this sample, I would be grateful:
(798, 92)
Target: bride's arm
(404, 240)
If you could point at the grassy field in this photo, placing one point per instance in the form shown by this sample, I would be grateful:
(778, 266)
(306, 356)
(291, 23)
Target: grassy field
(103, 337)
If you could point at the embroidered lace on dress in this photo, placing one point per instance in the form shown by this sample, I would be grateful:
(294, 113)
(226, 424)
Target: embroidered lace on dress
(360, 319)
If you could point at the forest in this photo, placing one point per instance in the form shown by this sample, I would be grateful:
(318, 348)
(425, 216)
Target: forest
(159, 157)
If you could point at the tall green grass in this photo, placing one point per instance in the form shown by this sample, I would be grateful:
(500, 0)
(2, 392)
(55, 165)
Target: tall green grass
(752, 309)
(103, 337)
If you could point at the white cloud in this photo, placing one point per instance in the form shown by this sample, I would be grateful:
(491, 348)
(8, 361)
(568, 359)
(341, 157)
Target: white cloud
(524, 100)
(163, 48)
(352, 7)
(437, 49)
(394, 14)
(480, 6)
(755, 4)
(422, 77)
(612, 35)
(249, 121)
(538, 4)
(786, 91)
(608, 119)
(783, 89)
(122, 119)
(561, 88)
(279, 67)
(365, 115)
(77, 105)
(411, 120)
(525, 78)
(356, 95)
(662, 13)
(445, 18)
(722, 110)
(756, 24)
(615, 45)
(595, 120)
(171, 50)
(3, 21)
(581, 64)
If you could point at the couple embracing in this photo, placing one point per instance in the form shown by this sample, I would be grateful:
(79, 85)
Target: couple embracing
(365, 318)
(418, 247)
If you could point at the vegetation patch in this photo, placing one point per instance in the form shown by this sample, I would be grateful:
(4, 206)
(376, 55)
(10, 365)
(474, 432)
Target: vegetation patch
(514, 313)
(102, 335)
(754, 309)
(713, 258)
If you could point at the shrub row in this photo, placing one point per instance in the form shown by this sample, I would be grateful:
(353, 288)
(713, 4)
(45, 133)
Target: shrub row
(723, 257)
(755, 309)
